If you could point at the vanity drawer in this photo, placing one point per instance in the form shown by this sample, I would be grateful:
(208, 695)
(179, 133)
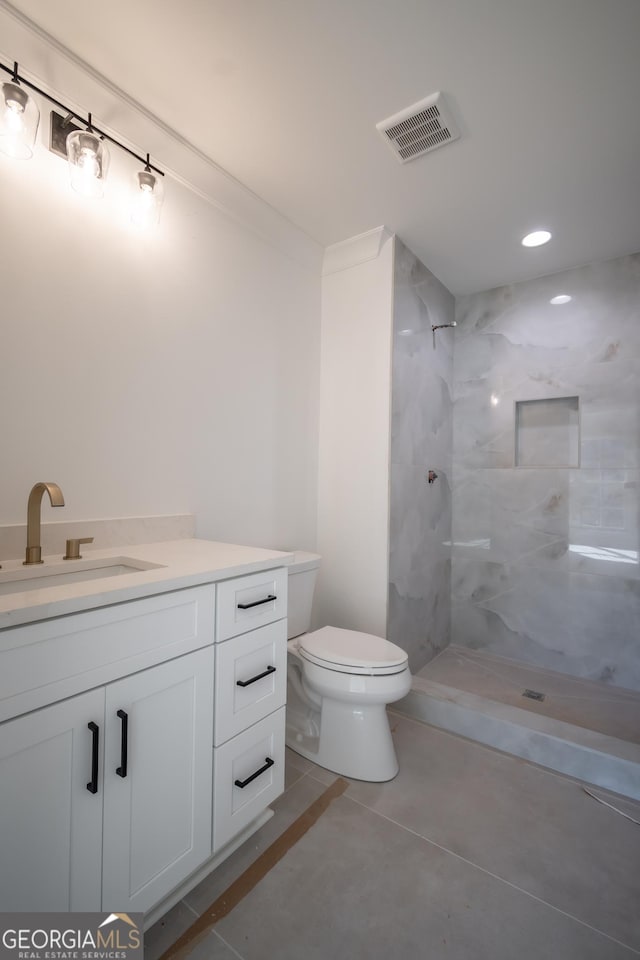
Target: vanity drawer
(251, 679)
(47, 661)
(254, 759)
(245, 603)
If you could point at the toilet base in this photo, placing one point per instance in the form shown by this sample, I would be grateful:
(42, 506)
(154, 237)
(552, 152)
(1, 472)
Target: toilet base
(354, 741)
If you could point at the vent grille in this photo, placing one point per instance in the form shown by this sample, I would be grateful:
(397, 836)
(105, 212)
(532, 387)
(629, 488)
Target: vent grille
(419, 129)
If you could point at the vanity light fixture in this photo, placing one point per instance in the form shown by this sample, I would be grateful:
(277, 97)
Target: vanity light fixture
(536, 239)
(560, 299)
(19, 118)
(84, 147)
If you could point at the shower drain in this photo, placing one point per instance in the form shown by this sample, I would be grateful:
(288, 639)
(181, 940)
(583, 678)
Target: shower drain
(533, 695)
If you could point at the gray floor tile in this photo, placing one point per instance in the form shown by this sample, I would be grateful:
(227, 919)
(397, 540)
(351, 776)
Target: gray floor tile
(166, 931)
(312, 769)
(533, 828)
(357, 886)
(326, 777)
(212, 947)
(293, 770)
(294, 763)
(287, 808)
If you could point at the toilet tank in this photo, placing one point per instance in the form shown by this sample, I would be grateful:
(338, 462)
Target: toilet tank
(302, 581)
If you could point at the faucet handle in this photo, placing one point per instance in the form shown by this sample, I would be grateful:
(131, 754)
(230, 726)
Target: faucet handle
(73, 548)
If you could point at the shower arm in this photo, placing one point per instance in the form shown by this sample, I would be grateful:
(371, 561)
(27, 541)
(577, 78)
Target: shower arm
(440, 326)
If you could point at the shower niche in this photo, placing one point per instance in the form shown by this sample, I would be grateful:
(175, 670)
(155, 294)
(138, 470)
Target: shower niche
(547, 432)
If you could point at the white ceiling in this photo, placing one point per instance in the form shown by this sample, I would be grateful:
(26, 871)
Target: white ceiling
(285, 95)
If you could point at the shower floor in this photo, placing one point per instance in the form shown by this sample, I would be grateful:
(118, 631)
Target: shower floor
(586, 730)
(612, 711)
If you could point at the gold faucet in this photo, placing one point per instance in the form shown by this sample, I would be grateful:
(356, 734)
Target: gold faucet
(34, 550)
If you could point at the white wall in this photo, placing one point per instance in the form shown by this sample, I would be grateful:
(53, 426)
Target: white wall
(353, 478)
(166, 373)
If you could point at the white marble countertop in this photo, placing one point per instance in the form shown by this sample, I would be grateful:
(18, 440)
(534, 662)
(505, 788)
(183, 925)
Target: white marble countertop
(174, 565)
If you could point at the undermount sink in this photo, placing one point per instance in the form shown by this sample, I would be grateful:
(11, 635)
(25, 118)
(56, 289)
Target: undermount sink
(20, 579)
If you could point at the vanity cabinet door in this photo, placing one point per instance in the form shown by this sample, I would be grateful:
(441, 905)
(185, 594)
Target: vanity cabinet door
(158, 772)
(50, 823)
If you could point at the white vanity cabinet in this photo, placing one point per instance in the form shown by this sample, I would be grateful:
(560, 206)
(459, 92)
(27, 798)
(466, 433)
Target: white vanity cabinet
(251, 685)
(82, 826)
(140, 743)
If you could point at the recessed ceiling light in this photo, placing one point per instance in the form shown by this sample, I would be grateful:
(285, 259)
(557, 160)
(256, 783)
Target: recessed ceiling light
(536, 239)
(561, 298)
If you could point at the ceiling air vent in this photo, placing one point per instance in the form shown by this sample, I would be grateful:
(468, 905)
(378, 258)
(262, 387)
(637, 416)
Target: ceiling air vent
(419, 128)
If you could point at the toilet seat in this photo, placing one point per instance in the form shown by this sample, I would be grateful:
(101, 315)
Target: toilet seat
(349, 651)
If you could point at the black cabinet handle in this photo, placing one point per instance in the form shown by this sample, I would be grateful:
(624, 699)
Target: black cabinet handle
(265, 673)
(256, 603)
(124, 739)
(268, 762)
(92, 786)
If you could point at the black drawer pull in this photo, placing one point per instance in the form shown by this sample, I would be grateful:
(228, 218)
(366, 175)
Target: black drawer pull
(256, 603)
(268, 762)
(265, 673)
(124, 741)
(92, 786)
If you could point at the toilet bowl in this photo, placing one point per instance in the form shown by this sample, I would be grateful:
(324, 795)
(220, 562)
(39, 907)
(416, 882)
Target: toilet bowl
(338, 685)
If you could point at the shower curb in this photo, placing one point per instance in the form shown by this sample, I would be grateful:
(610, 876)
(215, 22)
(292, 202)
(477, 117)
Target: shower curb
(575, 751)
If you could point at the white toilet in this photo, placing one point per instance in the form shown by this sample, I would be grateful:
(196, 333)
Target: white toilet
(338, 684)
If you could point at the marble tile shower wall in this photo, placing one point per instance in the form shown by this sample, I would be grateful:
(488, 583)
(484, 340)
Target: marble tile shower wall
(421, 439)
(545, 562)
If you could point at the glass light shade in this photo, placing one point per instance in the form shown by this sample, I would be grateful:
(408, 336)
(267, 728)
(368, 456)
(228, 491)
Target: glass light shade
(148, 198)
(19, 118)
(88, 162)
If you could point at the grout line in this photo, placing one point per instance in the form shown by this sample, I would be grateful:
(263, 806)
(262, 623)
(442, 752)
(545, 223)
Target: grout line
(190, 908)
(316, 774)
(495, 876)
(228, 945)
(293, 783)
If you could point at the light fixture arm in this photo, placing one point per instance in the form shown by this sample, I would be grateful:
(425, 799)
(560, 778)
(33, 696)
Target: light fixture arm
(71, 114)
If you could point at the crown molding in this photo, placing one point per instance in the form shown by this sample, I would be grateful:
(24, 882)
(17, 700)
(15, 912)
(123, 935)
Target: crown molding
(355, 250)
(55, 68)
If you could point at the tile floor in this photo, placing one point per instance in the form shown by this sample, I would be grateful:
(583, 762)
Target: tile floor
(468, 854)
(610, 710)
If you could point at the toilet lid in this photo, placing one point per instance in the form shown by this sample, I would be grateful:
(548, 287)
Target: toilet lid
(337, 648)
